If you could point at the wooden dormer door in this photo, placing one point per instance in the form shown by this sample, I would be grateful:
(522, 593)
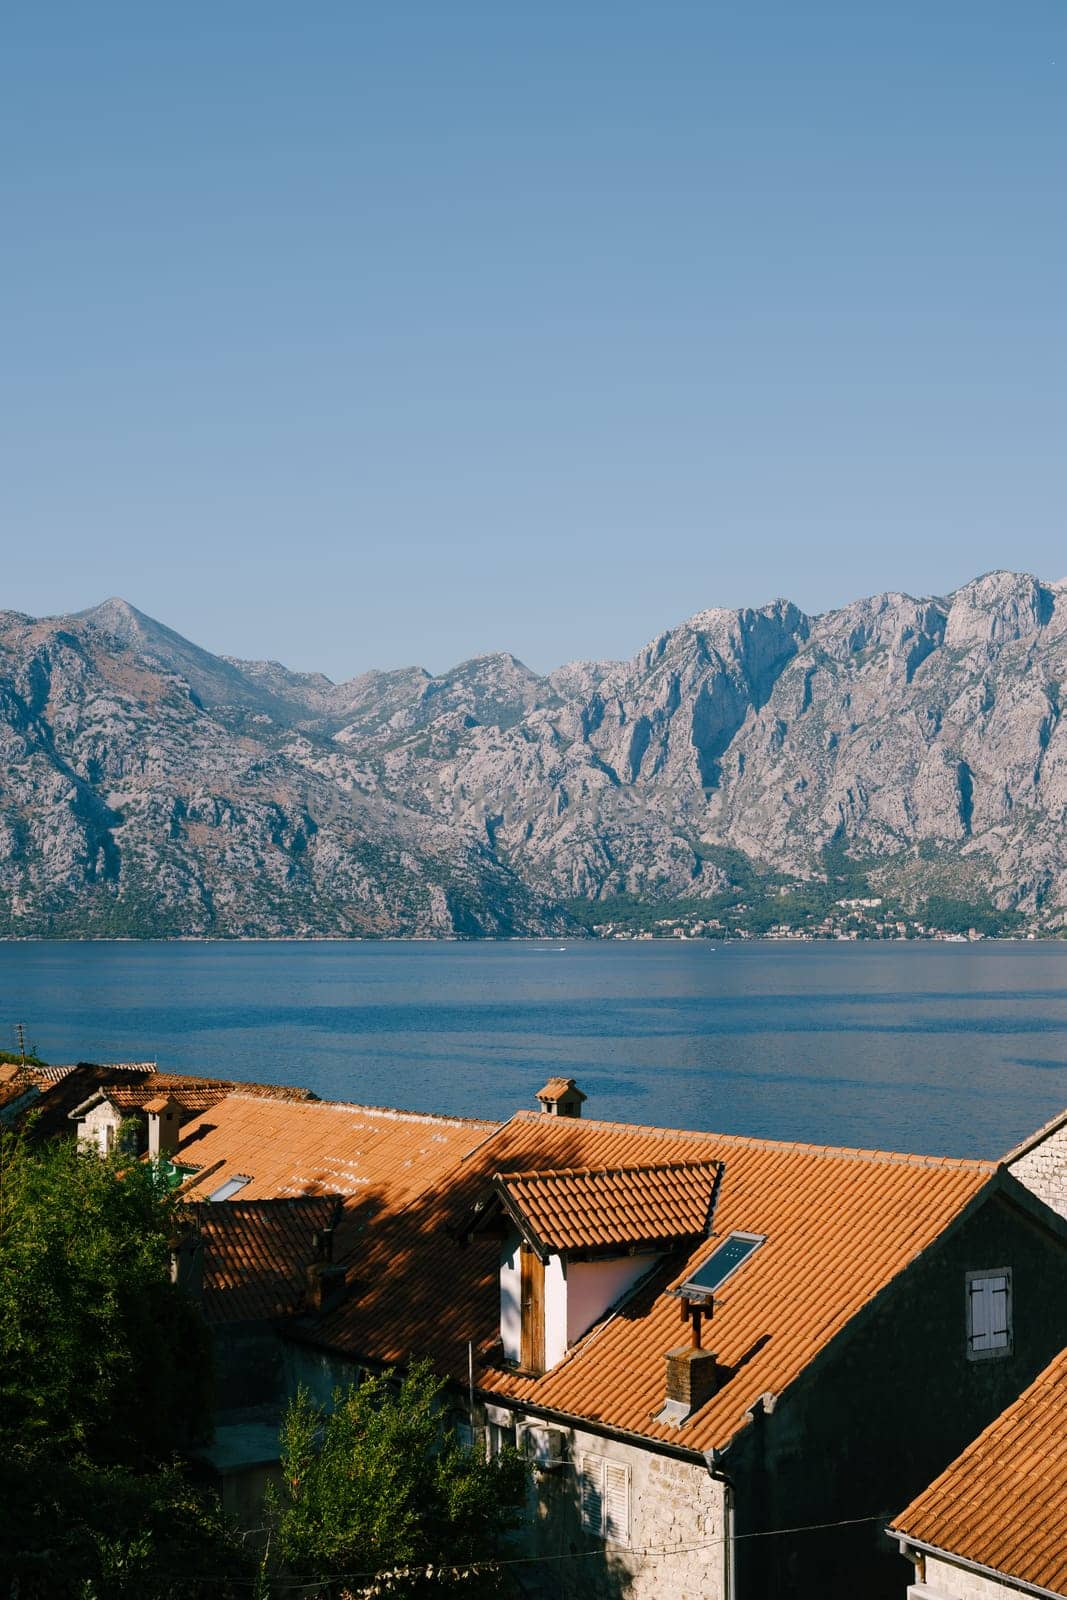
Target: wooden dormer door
(532, 1292)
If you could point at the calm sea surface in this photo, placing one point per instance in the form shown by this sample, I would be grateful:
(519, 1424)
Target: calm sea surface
(958, 1049)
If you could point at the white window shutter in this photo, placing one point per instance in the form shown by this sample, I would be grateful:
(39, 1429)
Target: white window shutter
(998, 1312)
(989, 1312)
(616, 1502)
(981, 1314)
(592, 1494)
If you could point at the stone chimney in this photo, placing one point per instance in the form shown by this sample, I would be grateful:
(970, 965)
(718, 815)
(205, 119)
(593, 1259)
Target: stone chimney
(561, 1097)
(692, 1379)
(323, 1278)
(324, 1285)
(187, 1262)
(164, 1124)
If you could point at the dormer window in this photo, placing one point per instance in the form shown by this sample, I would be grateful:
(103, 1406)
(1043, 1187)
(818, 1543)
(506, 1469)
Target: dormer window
(576, 1241)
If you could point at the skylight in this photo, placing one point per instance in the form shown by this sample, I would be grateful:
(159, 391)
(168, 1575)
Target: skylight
(227, 1190)
(722, 1263)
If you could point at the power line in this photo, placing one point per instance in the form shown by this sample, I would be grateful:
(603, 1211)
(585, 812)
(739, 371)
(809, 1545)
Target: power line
(460, 1569)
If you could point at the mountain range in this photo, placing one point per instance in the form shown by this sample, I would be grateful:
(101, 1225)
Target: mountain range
(148, 787)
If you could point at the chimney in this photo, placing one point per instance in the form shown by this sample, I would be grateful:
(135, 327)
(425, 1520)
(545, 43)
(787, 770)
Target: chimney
(561, 1097)
(692, 1372)
(324, 1283)
(164, 1124)
(692, 1379)
(187, 1262)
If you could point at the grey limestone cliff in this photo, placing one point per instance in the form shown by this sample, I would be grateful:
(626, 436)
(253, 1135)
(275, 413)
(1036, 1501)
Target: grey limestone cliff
(147, 786)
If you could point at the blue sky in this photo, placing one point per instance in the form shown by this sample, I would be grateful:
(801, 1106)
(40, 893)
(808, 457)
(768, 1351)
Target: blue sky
(359, 335)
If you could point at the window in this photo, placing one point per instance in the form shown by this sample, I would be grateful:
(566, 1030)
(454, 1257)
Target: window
(227, 1190)
(722, 1263)
(605, 1498)
(989, 1313)
(498, 1438)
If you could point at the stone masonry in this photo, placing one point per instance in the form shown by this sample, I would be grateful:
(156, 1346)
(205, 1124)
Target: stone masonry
(676, 1528)
(946, 1581)
(1041, 1165)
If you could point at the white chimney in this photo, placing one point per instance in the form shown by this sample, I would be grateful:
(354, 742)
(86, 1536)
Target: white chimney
(164, 1125)
(561, 1097)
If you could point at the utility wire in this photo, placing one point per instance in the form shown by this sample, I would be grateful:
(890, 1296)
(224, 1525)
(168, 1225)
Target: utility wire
(458, 1569)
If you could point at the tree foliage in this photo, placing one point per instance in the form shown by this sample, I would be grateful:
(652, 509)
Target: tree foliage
(381, 1484)
(104, 1373)
(98, 1349)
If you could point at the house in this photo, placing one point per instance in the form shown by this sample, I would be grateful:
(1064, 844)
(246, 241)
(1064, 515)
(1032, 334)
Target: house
(49, 1092)
(252, 1264)
(701, 1341)
(274, 1189)
(993, 1526)
(155, 1105)
(1041, 1163)
(704, 1341)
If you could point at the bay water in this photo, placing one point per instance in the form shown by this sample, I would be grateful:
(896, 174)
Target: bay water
(933, 1047)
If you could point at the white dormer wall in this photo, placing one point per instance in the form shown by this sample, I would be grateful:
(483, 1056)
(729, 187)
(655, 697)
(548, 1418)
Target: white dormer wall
(555, 1311)
(577, 1294)
(511, 1299)
(594, 1286)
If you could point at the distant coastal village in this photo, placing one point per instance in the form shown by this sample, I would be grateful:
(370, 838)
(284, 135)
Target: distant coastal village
(847, 919)
(399, 1353)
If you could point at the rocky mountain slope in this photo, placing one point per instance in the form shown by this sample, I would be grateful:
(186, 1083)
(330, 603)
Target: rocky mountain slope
(147, 786)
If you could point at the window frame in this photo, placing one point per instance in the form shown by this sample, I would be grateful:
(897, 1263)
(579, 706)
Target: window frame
(995, 1351)
(233, 1184)
(689, 1288)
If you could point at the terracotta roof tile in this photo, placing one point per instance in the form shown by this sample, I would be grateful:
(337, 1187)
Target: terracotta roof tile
(324, 1147)
(586, 1209)
(256, 1253)
(53, 1074)
(191, 1093)
(839, 1224)
(1003, 1502)
(15, 1083)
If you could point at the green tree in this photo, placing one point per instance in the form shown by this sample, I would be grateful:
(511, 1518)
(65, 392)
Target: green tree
(381, 1484)
(98, 1349)
(104, 1374)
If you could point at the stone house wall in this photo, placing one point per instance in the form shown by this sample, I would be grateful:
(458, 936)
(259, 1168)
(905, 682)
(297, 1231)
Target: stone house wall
(676, 1543)
(885, 1407)
(99, 1128)
(944, 1580)
(675, 1549)
(1043, 1168)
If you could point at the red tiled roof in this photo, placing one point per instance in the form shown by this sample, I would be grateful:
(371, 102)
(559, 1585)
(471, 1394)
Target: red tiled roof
(1003, 1502)
(324, 1147)
(256, 1253)
(593, 1209)
(15, 1083)
(63, 1089)
(839, 1225)
(192, 1093)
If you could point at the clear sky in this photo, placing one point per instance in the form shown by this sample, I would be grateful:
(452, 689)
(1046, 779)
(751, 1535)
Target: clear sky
(363, 334)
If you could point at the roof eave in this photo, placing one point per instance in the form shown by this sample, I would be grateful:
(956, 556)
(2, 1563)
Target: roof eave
(1038, 1137)
(954, 1557)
